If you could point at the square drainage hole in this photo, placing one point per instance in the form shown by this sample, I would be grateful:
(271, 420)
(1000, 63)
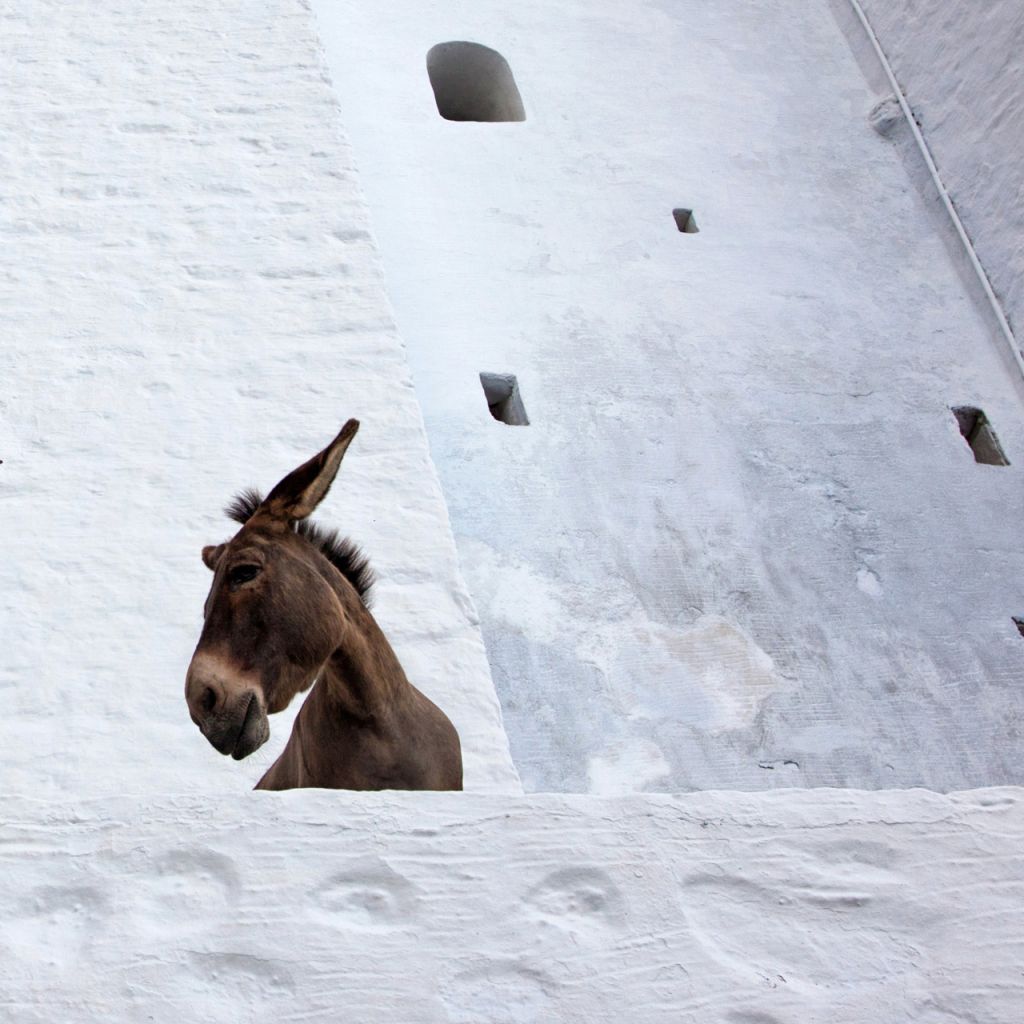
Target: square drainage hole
(503, 399)
(685, 222)
(978, 433)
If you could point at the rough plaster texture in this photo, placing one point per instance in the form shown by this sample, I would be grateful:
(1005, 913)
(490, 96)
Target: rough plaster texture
(742, 543)
(961, 67)
(189, 303)
(715, 908)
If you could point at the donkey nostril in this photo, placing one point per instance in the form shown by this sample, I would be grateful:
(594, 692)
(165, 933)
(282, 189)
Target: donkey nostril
(209, 699)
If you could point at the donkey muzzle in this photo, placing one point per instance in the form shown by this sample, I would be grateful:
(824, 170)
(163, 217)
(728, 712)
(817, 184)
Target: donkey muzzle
(254, 731)
(229, 712)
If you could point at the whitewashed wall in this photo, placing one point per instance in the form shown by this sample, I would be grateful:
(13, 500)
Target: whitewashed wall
(767, 908)
(741, 544)
(189, 304)
(962, 70)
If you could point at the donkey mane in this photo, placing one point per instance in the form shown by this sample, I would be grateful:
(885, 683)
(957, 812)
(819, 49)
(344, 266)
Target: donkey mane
(341, 552)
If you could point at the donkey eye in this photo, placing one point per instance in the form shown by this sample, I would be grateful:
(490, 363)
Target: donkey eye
(242, 574)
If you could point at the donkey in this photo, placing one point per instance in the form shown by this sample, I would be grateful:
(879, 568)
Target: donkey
(288, 609)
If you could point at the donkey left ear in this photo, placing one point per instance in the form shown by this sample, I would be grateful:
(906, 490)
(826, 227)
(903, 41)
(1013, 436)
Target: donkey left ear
(211, 555)
(299, 493)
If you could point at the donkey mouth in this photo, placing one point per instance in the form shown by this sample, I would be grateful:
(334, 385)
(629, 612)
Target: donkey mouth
(254, 732)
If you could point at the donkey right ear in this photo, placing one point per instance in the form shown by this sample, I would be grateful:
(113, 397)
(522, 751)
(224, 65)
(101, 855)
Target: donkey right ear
(299, 493)
(211, 555)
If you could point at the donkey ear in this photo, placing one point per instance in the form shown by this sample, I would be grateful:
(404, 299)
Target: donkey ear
(211, 555)
(299, 493)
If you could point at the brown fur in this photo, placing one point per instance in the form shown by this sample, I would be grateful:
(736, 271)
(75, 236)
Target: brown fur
(288, 609)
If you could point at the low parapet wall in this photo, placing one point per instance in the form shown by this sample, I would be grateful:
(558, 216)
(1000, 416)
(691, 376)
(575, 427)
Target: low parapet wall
(778, 908)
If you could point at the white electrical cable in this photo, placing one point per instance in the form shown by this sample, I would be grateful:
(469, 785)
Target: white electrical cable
(986, 285)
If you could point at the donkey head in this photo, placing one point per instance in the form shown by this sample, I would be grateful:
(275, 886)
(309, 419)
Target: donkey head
(273, 615)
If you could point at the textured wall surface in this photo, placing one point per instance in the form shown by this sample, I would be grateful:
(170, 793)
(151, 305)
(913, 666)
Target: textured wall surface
(741, 544)
(772, 908)
(961, 66)
(742, 525)
(189, 304)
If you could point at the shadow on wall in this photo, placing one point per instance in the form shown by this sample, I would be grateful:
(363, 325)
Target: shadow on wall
(473, 83)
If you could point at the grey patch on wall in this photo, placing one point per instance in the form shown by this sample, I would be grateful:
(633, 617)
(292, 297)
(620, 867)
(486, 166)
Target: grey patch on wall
(886, 116)
(473, 83)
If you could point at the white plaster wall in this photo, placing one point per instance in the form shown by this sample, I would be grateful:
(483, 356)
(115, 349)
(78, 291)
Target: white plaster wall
(710, 908)
(741, 544)
(962, 70)
(189, 303)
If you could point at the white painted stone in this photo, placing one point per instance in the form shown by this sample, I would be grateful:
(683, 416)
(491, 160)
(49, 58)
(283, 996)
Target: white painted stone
(772, 908)
(808, 586)
(190, 303)
(750, 425)
(961, 68)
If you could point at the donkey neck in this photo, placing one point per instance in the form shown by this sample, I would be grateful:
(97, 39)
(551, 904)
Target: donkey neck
(362, 678)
